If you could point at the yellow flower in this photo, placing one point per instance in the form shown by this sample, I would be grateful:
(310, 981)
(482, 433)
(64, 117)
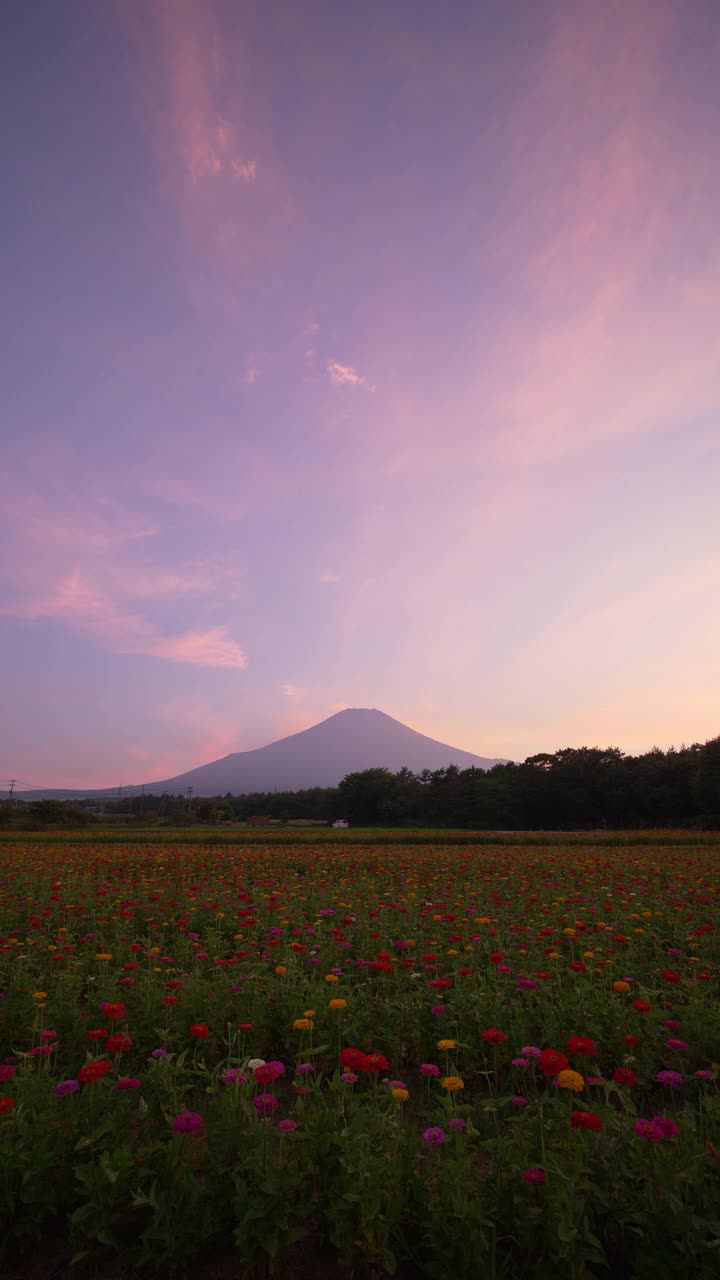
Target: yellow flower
(400, 1095)
(39, 995)
(553, 955)
(570, 1080)
(104, 955)
(451, 1083)
(621, 986)
(331, 977)
(303, 1024)
(452, 951)
(280, 970)
(447, 1044)
(337, 1004)
(308, 1013)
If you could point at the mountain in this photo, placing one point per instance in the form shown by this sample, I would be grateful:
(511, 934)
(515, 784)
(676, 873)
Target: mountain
(358, 738)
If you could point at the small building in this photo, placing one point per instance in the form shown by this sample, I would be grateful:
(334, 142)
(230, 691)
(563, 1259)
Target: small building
(259, 820)
(341, 823)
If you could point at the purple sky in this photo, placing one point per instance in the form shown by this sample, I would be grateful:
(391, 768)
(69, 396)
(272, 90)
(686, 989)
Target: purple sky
(357, 355)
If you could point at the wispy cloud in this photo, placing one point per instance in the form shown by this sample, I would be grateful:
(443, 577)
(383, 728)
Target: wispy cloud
(343, 375)
(329, 577)
(84, 607)
(293, 692)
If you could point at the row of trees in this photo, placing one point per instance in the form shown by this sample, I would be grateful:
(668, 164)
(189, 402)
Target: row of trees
(573, 789)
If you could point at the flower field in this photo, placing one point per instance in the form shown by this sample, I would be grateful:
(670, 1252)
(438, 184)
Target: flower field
(437, 1061)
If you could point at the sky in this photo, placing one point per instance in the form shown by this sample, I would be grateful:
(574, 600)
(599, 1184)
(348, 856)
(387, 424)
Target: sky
(357, 355)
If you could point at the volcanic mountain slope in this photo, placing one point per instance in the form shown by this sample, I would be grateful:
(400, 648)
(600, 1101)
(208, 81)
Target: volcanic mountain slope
(358, 738)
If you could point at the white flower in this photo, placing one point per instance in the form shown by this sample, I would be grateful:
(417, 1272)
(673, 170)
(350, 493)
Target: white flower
(254, 1063)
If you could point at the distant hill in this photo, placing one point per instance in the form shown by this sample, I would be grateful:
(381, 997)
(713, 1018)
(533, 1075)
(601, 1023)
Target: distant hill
(358, 738)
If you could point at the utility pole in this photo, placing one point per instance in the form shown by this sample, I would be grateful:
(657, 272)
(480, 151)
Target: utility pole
(142, 800)
(13, 783)
(188, 793)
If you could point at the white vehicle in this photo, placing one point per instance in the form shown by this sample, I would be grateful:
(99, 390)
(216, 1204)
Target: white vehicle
(341, 823)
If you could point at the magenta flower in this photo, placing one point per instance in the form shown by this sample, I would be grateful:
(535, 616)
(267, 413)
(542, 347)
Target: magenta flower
(434, 1137)
(429, 1069)
(704, 1075)
(517, 1100)
(349, 1077)
(438, 1010)
(125, 1083)
(188, 1122)
(287, 1126)
(666, 1127)
(266, 1103)
(457, 1122)
(671, 1078)
(304, 1069)
(7, 1072)
(521, 1062)
(678, 1046)
(646, 1129)
(234, 1075)
(159, 1053)
(535, 1176)
(530, 1051)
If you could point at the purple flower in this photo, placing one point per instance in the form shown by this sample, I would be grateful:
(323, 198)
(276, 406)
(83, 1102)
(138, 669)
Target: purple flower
(457, 1122)
(521, 1062)
(678, 1046)
(287, 1126)
(526, 984)
(65, 1087)
(429, 1069)
(349, 1077)
(647, 1129)
(530, 1051)
(266, 1103)
(305, 1069)
(434, 1137)
(704, 1075)
(438, 1010)
(188, 1122)
(517, 1100)
(125, 1083)
(535, 1176)
(594, 1080)
(396, 1084)
(671, 1078)
(159, 1053)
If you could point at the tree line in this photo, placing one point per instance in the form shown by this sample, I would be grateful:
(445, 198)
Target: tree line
(586, 788)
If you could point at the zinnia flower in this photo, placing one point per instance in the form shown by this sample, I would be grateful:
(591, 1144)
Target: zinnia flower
(570, 1080)
(266, 1103)
(269, 1071)
(551, 1062)
(287, 1125)
(6, 1104)
(457, 1122)
(447, 1045)
(671, 1078)
(585, 1120)
(125, 1083)
(493, 1036)
(434, 1137)
(624, 1075)
(535, 1176)
(582, 1045)
(429, 1069)
(199, 1030)
(452, 1083)
(65, 1087)
(188, 1122)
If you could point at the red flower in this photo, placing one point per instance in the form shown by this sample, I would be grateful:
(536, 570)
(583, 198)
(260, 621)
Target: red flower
(493, 1036)
(641, 1006)
(464, 973)
(114, 1010)
(375, 1062)
(551, 1062)
(6, 1104)
(577, 966)
(118, 1044)
(497, 957)
(98, 1034)
(94, 1071)
(352, 1059)
(670, 975)
(585, 1120)
(245, 1026)
(199, 1030)
(583, 1046)
(631, 1040)
(624, 1075)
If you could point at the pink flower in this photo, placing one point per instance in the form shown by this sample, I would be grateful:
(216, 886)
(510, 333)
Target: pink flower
(666, 1127)
(287, 1125)
(535, 1176)
(679, 1046)
(434, 1136)
(429, 1069)
(125, 1083)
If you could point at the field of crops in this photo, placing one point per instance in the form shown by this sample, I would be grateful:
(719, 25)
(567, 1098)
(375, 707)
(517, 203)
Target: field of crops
(333, 1060)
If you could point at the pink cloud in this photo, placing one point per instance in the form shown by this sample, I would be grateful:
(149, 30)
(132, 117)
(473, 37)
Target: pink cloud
(343, 375)
(79, 604)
